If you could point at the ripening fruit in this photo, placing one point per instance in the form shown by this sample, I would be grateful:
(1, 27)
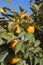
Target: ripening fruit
(25, 16)
(10, 23)
(17, 28)
(14, 60)
(31, 29)
(13, 44)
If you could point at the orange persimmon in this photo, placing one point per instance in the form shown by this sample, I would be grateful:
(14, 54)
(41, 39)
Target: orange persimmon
(14, 42)
(31, 29)
(14, 60)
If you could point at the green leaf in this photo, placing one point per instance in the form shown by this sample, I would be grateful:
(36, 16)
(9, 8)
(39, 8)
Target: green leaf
(37, 43)
(32, 40)
(30, 37)
(2, 29)
(34, 8)
(41, 54)
(22, 21)
(37, 49)
(21, 8)
(3, 55)
(8, 37)
(23, 48)
(1, 42)
(20, 63)
(31, 49)
(21, 34)
(41, 61)
(31, 20)
(37, 60)
(25, 55)
(2, 63)
(18, 47)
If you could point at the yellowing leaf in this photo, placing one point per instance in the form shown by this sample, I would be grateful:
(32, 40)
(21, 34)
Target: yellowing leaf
(2, 11)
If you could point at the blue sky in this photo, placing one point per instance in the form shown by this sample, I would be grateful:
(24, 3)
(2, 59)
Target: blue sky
(15, 5)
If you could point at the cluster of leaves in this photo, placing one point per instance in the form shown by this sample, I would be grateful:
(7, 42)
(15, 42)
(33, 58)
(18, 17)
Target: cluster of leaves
(28, 48)
(38, 18)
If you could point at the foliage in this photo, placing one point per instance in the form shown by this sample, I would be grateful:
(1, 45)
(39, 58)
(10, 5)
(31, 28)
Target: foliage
(17, 45)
